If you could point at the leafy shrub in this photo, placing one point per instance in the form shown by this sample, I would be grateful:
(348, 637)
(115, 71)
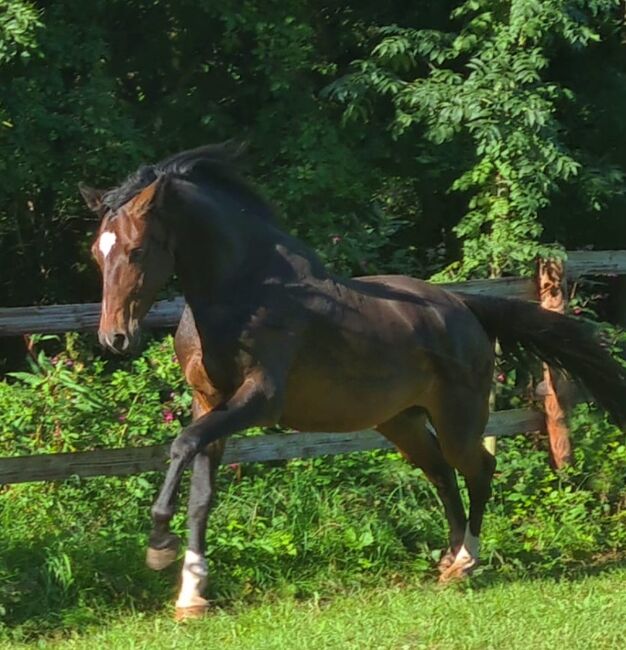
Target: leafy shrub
(74, 401)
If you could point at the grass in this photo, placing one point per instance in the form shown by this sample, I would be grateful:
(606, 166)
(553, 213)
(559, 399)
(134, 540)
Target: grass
(586, 612)
(311, 554)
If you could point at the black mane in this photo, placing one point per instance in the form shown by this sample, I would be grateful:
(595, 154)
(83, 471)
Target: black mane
(216, 162)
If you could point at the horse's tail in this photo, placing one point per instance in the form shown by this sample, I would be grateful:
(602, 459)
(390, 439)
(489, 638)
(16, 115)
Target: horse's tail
(561, 341)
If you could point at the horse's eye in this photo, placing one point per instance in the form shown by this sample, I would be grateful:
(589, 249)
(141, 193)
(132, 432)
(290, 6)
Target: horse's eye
(135, 255)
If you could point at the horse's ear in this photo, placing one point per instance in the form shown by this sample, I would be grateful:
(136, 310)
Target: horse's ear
(92, 196)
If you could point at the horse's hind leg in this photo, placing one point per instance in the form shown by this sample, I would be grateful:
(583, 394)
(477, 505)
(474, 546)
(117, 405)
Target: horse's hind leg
(409, 432)
(460, 419)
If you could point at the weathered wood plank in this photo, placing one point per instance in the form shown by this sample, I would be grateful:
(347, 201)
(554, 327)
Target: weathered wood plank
(15, 321)
(596, 263)
(135, 460)
(522, 288)
(56, 319)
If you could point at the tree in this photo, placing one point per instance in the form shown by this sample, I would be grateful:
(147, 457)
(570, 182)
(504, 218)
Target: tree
(487, 85)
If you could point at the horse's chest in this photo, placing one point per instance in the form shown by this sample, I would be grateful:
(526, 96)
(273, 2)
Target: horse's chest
(226, 353)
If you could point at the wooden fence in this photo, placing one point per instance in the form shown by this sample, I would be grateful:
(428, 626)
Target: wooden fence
(125, 461)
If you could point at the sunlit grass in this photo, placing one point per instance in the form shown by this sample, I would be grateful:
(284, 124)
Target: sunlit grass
(588, 613)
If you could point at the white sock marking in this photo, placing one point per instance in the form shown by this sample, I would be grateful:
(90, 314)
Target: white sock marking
(431, 428)
(469, 550)
(106, 242)
(194, 580)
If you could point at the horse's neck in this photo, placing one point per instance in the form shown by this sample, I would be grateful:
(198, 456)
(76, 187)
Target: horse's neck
(222, 247)
(211, 250)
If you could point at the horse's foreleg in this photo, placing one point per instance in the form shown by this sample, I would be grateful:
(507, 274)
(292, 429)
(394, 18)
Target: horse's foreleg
(163, 544)
(191, 602)
(250, 406)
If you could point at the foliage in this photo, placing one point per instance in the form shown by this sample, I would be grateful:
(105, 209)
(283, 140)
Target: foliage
(82, 99)
(488, 83)
(476, 97)
(64, 403)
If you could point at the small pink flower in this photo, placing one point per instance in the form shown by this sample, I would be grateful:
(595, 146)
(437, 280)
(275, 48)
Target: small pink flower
(335, 239)
(54, 360)
(501, 377)
(234, 466)
(122, 417)
(69, 363)
(168, 416)
(578, 311)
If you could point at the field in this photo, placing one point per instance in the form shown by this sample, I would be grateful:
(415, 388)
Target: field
(577, 612)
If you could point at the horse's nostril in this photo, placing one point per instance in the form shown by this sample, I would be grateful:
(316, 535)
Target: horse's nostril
(119, 342)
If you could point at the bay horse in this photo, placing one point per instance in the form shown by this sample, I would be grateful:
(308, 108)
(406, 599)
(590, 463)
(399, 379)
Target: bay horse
(271, 337)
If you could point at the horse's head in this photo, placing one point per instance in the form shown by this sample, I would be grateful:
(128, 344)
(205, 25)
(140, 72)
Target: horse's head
(134, 251)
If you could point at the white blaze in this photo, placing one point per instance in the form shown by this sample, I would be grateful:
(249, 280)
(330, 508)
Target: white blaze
(106, 242)
(193, 580)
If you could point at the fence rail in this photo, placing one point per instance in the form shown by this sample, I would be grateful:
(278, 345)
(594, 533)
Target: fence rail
(56, 319)
(268, 447)
(119, 462)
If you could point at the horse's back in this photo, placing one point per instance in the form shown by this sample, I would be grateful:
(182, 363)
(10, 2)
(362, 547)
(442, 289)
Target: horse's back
(440, 322)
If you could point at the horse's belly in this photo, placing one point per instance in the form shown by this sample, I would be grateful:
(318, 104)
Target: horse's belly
(347, 403)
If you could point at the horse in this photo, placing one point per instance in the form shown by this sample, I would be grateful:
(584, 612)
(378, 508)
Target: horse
(269, 336)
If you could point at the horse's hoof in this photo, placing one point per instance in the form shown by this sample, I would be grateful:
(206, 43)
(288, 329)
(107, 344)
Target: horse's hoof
(191, 611)
(158, 559)
(446, 561)
(162, 551)
(458, 570)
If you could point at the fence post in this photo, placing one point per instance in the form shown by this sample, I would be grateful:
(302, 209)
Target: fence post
(489, 442)
(553, 296)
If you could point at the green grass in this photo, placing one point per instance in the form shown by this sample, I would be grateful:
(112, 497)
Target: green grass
(587, 612)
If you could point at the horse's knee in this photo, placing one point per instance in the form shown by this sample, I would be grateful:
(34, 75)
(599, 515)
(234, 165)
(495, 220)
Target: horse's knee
(184, 448)
(161, 515)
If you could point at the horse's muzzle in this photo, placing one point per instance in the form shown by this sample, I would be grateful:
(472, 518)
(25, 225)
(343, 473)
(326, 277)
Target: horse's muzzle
(118, 342)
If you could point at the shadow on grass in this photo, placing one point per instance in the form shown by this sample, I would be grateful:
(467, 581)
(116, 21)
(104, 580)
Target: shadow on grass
(48, 591)
(45, 589)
